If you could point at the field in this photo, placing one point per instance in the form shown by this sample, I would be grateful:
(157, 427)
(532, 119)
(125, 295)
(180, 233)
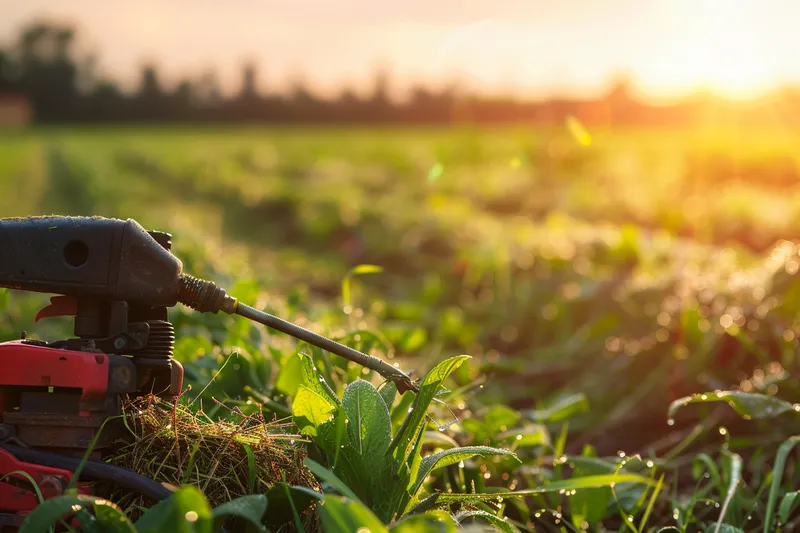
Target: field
(595, 279)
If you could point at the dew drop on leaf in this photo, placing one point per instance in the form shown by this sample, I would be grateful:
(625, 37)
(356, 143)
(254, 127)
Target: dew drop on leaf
(670, 422)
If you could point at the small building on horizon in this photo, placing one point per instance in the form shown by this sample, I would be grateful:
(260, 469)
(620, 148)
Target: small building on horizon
(16, 110)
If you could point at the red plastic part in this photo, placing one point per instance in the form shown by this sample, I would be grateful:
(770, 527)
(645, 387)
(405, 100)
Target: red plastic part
(28, 365)
(22, 496)
(59, 306)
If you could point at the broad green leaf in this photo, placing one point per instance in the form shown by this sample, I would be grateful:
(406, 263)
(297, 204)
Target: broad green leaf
(185, 511)
(369, 433)
(250, 508)
(315, 382)
(430, 522)
(285, 500)
(369, 428)
(500, 523)
(780, 463)
(748, 405)
(47, 514)
(326, 476)
(291, 376)
(559, 410)
(310, 411)
(789, 499)
(736, 476)
(585, 482)
(453, 456)
(340, 514)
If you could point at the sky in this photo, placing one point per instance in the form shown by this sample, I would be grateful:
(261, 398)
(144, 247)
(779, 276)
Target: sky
(738, 48)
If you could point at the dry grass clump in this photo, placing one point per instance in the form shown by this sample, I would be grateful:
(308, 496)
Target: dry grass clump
(174, 444)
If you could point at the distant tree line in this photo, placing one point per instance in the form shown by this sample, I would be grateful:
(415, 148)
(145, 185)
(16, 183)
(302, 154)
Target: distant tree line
(42, 66)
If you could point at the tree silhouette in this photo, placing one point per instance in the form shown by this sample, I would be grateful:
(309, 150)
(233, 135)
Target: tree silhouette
(61, 86)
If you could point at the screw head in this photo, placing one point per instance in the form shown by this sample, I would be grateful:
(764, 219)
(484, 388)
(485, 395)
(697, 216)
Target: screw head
(119, 343)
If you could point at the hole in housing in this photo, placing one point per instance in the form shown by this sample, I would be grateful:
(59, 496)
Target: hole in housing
(76, 253)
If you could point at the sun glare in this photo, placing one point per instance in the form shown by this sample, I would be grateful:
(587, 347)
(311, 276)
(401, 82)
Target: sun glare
(722, 45)
(728, 47)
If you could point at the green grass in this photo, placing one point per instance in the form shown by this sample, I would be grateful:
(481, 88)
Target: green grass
(592, 286)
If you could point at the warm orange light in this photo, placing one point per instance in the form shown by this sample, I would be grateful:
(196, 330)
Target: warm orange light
(724, 46)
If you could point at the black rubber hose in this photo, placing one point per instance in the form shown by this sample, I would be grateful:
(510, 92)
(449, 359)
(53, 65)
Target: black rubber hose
(93, 470)
(402, 380)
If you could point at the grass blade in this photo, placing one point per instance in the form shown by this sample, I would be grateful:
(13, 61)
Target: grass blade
(736, 476)
(780, 462)
(651, 504)
(788, 502)
(330, 478)
(586, 482)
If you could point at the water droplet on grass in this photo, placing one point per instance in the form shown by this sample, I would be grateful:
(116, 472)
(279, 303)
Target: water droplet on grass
(671, 422)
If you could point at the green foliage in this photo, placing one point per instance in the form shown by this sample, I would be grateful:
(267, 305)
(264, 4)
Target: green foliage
(367, 463)
(54, 510)
(342, 515)
(748, 405)
(185, 511)
(544, 254)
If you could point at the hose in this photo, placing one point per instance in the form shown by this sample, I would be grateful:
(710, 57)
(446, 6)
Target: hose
(93, 470)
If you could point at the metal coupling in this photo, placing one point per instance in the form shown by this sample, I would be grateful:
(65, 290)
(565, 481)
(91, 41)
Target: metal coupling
(205, 296)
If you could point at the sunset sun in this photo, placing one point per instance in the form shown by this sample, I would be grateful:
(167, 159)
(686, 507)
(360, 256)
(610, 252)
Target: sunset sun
(724, 46)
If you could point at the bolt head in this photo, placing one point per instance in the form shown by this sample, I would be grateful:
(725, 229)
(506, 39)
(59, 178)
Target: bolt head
(119, 343)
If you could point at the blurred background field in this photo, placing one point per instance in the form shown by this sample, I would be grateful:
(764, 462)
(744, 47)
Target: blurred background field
(599, 256)
(619, 269)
